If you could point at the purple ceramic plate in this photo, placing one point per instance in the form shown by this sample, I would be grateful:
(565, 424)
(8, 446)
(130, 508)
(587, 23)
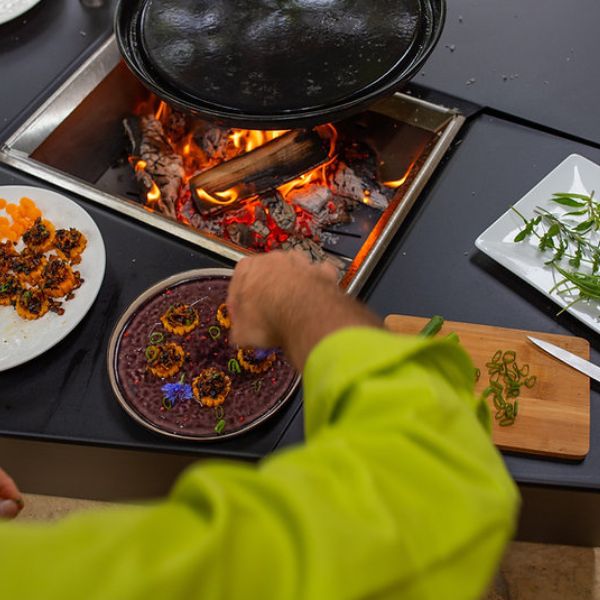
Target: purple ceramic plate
(167, 405)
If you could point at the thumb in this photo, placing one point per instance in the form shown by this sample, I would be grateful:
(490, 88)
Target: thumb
(9, 509)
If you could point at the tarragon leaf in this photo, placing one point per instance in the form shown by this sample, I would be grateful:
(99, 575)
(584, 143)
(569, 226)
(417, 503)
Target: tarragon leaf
(585, 225)
(571, 195)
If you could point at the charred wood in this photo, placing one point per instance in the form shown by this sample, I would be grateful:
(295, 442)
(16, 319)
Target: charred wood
(213, 140)
(163, 165)
(264, 168)
(347, 184)
(282, 213)
(312, 197)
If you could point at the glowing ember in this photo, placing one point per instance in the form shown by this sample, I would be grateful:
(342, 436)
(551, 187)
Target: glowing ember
(294, 215)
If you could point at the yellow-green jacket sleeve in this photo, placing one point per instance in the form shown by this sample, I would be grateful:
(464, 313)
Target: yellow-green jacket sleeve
(397, 493)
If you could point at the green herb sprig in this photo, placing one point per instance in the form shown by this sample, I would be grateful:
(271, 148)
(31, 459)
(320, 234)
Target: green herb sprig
(568, 241)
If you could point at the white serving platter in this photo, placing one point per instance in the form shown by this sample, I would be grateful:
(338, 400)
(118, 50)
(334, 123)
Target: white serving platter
(22, 340)
(575, 174)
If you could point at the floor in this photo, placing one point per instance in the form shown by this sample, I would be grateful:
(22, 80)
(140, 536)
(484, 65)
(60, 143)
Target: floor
(528, 572)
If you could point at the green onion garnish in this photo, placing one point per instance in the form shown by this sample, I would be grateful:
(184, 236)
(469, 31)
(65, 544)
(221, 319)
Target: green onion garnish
(233, 366)
(152, 353)
(156, 338)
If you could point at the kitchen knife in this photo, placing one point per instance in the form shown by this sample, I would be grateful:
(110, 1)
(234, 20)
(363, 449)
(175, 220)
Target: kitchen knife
(574, 361)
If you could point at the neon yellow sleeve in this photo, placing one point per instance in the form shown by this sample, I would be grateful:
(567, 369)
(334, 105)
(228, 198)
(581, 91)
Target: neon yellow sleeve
(397, 493)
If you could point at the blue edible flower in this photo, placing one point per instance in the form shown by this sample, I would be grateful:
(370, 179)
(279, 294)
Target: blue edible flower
(177, 392)
(262, 354)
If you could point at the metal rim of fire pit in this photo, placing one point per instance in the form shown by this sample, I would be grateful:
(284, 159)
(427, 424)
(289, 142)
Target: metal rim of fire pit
(17, 151)
(130, 42)
(112, 354)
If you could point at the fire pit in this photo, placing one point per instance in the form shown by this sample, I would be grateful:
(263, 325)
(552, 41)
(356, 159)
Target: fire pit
(339, 192)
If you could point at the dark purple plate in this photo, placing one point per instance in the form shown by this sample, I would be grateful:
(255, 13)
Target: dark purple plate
(165, 405)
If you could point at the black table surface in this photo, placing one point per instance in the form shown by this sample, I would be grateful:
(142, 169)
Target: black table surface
(531, 68)
(65, 394)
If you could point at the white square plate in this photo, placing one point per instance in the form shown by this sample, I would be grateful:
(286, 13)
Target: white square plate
(575, 174)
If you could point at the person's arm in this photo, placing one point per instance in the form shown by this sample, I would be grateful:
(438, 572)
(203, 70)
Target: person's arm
(397, 493)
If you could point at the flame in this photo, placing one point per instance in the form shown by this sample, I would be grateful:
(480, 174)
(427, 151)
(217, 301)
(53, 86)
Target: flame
(236, 137)
(399, 182)
(161, 110)
(249, 139)
(319, 174)
(240, 141)
(219, 198)
(153, 196)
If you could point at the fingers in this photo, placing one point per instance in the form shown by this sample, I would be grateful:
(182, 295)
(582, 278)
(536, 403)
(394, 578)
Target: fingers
(11, 502)
(9, 509)
(263, 290)
(8, 488)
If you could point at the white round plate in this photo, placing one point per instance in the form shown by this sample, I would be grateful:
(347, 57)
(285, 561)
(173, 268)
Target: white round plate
(22, 340)
(11, 9)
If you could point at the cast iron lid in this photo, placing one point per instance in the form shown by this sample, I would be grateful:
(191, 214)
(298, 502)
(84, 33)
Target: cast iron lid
(266, 59)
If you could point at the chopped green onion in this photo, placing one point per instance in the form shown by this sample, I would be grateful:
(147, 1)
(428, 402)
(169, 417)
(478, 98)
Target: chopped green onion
(214, 332)
(432, 327)
(506, 379)
(156, 338)
(220, 426)
(152, 353)
(233, 366)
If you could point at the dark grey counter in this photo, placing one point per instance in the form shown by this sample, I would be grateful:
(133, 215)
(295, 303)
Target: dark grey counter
(525, 125)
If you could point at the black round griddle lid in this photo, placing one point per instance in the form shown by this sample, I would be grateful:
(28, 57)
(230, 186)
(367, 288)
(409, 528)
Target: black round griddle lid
(276, 64)
(277, 56)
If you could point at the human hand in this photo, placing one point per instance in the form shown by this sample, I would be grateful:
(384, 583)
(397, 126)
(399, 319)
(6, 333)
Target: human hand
(11, 502)
(282, 299)
(263, 289)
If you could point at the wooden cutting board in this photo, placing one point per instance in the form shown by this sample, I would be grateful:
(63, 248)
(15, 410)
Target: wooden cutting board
(554, 416)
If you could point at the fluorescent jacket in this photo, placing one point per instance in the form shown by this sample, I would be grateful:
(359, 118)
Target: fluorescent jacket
(397, 493)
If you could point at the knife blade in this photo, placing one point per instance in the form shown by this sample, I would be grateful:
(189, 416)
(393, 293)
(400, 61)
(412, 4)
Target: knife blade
(576, 362)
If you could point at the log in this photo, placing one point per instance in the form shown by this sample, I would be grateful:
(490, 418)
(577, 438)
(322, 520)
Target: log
(263, 169)
(163, 165)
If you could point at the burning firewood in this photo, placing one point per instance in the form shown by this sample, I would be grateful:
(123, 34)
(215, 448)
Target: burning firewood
(312, 198)
(177, 126)
(260, 170)
(325, 208)
(347, 184)
(240, 234)
(214, 141)
(282, 213)
(157, 162)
